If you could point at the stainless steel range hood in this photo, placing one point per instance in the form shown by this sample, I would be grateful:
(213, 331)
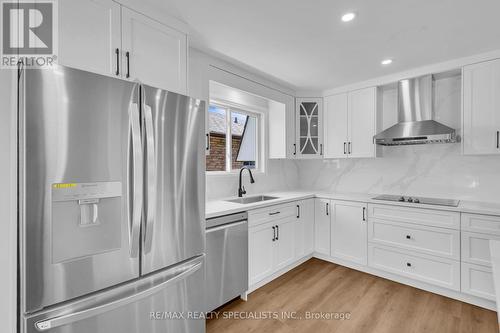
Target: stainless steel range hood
(415, 117)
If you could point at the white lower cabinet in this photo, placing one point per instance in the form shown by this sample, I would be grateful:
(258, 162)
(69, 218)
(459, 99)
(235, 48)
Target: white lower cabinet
(304, 228)
(348, 231)
(279, 236)
(322, 214)
(285, 243)
(431, 269)
(261, 248)
(477, 280)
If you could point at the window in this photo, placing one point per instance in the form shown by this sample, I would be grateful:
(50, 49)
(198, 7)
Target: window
(234, 139)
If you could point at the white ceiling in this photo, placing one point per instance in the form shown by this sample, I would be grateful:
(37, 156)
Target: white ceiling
(305, 44)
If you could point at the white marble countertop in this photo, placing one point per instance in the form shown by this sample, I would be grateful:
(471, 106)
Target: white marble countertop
(495, 260)
(222, 207)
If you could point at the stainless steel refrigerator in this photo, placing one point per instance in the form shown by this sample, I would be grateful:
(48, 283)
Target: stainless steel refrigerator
(111, 205)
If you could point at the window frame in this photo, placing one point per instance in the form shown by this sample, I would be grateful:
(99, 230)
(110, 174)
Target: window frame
(242, 109)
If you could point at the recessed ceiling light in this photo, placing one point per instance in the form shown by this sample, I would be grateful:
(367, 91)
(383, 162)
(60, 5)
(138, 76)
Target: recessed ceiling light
(386, 62)
(348, 17)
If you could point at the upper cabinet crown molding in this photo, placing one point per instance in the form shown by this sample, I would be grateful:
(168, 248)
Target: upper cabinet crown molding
(481, 108)
(350, 124)
(122, 43)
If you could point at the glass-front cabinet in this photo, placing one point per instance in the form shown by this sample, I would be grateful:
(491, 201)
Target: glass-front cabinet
(309, 117)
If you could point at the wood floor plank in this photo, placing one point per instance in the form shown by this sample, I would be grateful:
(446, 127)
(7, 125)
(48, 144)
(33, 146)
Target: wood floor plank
(375, 305)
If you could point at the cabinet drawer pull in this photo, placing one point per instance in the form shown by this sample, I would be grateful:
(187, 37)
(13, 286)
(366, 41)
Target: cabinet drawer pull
(275, 213)
(277, 231)
(274, 233)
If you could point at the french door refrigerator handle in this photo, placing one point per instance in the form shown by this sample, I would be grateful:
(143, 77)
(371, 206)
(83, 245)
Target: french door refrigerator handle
(151, 178)
(47, 324)
(135, 172)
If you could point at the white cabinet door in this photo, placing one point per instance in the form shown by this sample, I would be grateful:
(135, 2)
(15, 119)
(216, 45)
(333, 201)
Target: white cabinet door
(309, 113)
(153, 53)
(362, 112)
(89, 35)
(335, 126)
(304, 229)
(349, 231)
(277, 124)
(322, 226)
(481, 98)
(260, 252)
(285, 242)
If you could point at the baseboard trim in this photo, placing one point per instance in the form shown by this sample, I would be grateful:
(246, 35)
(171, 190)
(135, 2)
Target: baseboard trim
(487, 304)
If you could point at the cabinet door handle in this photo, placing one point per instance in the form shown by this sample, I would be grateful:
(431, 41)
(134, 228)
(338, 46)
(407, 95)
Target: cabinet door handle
(277, 232)
(327, 209)
(208, 141)
(345, 150)
(408, 264)
(298, 211)
(117, 52)
(321, 149)
(498, 139)
(364, 213)
(295, 149)
(408, 237)
(349, 148)
(274, 233)
(275, 213)
(127, 55)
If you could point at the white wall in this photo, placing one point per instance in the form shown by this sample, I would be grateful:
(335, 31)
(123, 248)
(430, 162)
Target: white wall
(279, 174)
(434, 170)
(8, 187)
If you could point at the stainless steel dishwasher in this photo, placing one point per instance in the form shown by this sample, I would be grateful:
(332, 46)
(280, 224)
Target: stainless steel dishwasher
(226, 258)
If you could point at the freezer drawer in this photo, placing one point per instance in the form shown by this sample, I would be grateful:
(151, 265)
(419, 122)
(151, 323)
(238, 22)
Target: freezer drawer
(170, 300)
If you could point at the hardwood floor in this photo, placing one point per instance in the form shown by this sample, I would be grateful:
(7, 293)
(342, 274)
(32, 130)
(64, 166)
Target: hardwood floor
(375, 305)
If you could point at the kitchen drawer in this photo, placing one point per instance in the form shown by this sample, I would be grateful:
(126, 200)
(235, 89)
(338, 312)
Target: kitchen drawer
(272, 213)
(422, 216)
(481, 223)
(478, 281)
(438, 271)
(430, 240)
(476, 247)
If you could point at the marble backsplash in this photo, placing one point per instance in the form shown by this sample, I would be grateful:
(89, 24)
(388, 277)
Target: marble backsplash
(433, 170)
(280, 175)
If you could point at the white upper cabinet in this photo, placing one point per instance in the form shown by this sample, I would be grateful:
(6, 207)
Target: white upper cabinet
(89, 35)
(103, 37)
(361, 123)
(481, 108)
(350, 120)
(309, 116)
(153, 53)
(336, 126)
(349, 231)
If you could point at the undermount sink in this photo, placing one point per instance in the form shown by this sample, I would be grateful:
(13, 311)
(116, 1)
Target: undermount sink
(253, 199)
